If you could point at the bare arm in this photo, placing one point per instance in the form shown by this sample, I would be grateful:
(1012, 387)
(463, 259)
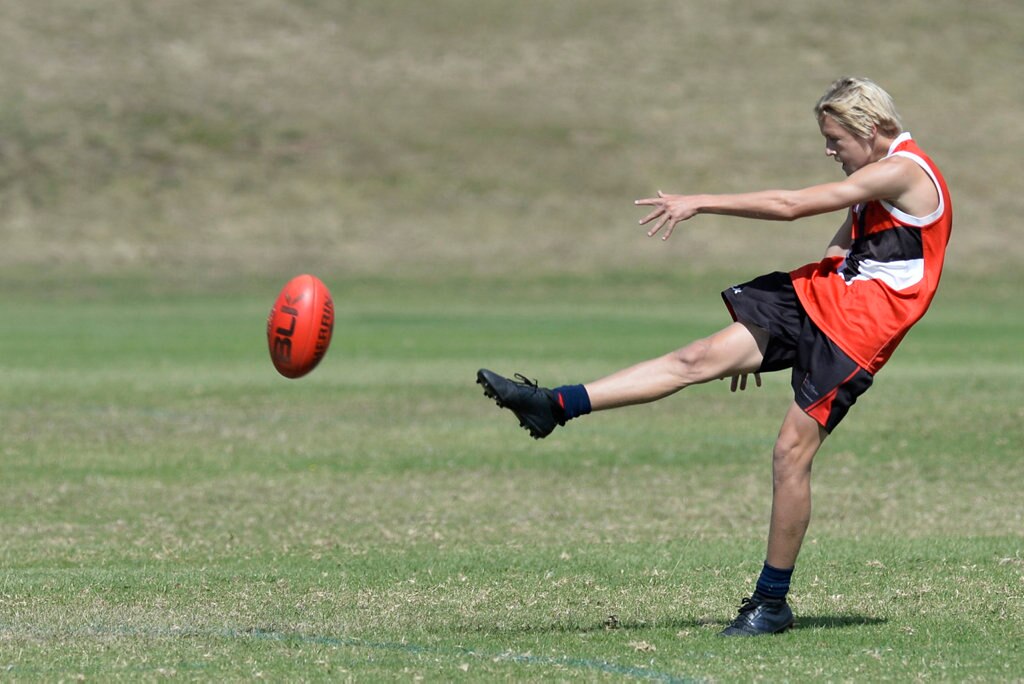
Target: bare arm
(886, 179)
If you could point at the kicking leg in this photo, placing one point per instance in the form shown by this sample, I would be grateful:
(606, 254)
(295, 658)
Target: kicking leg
(734, 350)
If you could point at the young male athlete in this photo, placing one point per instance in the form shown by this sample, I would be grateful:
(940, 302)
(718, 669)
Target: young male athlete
(834, 322)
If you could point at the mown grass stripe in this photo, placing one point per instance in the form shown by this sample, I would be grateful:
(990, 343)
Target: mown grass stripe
(570, 662)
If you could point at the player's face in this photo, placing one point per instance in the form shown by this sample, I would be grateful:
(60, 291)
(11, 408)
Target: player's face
(843, 146)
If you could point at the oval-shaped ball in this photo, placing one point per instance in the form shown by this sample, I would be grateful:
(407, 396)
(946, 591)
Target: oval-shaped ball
(300, 326)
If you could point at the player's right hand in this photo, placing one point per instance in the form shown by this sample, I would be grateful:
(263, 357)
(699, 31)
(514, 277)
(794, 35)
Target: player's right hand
(739, 382)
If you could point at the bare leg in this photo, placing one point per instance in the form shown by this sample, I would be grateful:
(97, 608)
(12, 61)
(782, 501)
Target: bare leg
(798, 442)
(738, 348)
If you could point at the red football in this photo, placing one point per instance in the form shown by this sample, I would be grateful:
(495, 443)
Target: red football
(300, 326)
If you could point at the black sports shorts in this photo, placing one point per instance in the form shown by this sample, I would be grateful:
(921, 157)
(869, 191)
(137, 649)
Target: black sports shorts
(826, 382)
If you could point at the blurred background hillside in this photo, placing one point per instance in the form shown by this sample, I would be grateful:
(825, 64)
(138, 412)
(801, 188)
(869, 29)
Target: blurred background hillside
(189, 144)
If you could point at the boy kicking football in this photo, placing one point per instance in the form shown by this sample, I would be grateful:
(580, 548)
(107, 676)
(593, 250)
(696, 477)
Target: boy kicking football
(834, 323)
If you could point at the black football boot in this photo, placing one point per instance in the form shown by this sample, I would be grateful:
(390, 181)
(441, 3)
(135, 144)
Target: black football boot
(537, 408)
(760, 615)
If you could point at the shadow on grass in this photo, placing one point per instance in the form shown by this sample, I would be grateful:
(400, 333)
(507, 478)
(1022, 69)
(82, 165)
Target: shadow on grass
(836, 621)
(802, 622)
(612, 623)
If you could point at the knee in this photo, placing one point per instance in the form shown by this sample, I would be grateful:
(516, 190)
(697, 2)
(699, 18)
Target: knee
(690, 361)
(792, 457)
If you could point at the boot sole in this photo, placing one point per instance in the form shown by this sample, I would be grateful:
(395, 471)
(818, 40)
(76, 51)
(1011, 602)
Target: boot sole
(748, 634)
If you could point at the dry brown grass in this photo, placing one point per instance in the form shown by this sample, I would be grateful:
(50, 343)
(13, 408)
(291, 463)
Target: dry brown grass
(187, 138)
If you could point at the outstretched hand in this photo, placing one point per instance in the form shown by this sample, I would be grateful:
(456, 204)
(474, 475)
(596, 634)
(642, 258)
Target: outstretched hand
(669, 210)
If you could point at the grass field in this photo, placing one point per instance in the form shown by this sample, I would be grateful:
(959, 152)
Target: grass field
(172, 507)
(461, 174)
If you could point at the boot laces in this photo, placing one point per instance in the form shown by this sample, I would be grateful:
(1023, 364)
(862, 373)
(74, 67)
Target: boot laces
(526, 381)
(752, 603)
(748, 604)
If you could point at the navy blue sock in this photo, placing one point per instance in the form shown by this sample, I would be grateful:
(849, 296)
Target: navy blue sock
(773, 582)
(573, 399)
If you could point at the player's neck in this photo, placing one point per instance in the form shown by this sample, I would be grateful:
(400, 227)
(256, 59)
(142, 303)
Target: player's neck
(880, 147)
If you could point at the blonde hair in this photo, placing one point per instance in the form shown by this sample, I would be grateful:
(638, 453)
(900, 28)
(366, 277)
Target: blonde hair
(858, 105)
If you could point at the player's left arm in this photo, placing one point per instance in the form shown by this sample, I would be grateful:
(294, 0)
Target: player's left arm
(889, 179)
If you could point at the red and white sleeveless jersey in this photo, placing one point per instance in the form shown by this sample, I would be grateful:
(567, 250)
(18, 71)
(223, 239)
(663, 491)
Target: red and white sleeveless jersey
(868, 301)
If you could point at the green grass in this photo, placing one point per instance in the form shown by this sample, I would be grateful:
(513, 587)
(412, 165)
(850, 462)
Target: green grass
(172, 507)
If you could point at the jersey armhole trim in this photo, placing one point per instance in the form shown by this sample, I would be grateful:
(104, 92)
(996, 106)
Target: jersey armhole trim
(910, 219)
